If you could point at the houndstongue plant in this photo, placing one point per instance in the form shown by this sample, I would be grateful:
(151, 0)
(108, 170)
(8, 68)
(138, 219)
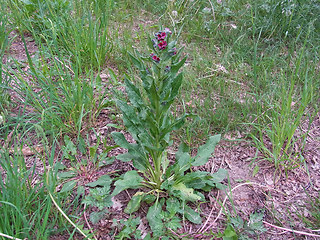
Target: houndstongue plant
(149, 119)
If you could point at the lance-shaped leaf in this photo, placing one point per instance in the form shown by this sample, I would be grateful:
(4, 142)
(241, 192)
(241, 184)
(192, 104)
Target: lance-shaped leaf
(175, 67)
(150, 43)
(135, 151)
(175, 86)
(219, 176)
(177, 124)
(104, 180)
(130, 179)
(133, 93)
(205, 151)
(68, 186)
(192, 215)
(136, 61)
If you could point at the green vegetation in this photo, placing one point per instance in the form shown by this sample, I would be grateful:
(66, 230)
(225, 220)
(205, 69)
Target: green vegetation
(236, 68)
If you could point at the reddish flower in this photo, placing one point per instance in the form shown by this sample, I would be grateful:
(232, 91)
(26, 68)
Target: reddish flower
(155, 58)
(161, 36)
(173, 51)
(162, 45)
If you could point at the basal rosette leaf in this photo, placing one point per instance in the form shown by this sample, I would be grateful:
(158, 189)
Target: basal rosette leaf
(154, 219)
(134, 203)
(205, 151)
(185, 193)
(104, 180)
(130, 180)
(192, 215)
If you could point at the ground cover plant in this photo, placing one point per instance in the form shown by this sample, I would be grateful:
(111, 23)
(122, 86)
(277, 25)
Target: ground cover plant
(110, 112)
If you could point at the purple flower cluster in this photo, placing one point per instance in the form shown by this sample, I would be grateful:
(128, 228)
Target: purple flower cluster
(160, 42)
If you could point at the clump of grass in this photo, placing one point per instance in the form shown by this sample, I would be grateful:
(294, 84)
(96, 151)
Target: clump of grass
(61, 99)
(4, 43)
(24, 200)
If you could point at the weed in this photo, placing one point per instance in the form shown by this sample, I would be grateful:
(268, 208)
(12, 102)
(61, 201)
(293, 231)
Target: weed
(149, 120)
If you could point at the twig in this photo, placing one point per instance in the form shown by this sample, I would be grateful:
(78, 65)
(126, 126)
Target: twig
(9, 237)
(87, 222)
(66, 217)
(291, 230)
(223, 203)
(64, 65)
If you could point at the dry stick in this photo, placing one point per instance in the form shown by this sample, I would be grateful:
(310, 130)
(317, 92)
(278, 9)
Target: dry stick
(224, 201)
(64, 65)
(9, 237)
(85, 218)
(290, 230)
(66, 217)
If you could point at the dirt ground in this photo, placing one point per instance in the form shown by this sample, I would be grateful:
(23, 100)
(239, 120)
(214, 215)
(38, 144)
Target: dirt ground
(282, 196)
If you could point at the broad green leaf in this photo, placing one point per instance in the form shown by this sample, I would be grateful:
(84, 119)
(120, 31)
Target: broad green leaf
(219, 176)
(205, 151)
(183, 163)
(130, 179)
(183, 148)
(186, 194)
(175, 68)
(192, 215)
(134, 203)
(68, 186)
(92, 151)
(103, 161)
(174, 223)
(104, 180)
(154, 219)
(120, 140)
(237, 222)
(173, 206)
(99, 197)
(63, 175)
(176, 84)
(125, 157)
(149, 198)
(196, 180)
(229, 233)
(136, 153)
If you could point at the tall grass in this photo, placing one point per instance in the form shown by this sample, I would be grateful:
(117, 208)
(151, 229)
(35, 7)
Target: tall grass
(4, 44)
(61, 99)
(26, 209)
(78, 29)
